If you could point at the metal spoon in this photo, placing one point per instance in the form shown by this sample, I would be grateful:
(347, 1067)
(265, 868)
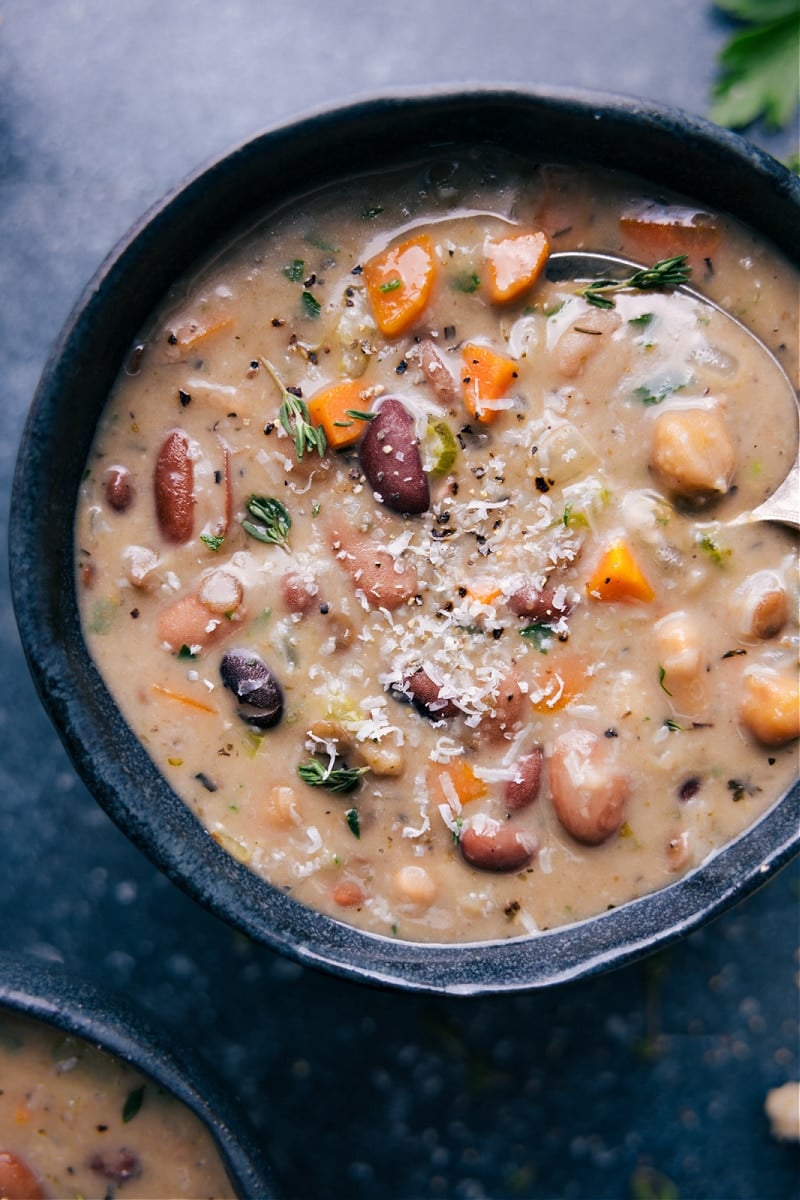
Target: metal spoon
(783, 505)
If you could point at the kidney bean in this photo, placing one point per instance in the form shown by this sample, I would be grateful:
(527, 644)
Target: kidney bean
(424, 694)
(540, 603)
(374, 571)
(495, 845)
(506, 709)
(173, 483)
(187, 622)
(437, 373)
(255, 686)
(523, 789)
(300, 595)
(589, 789)
(116, 1165)
(17, 1180)
(118, 488)
(390, 459)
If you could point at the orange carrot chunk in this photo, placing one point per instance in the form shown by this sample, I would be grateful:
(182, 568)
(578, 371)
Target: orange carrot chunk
(515, 264)
(332, 408)
(486, 377)
(456, 777)
(618, 576)
(653, 231)
(399, 283)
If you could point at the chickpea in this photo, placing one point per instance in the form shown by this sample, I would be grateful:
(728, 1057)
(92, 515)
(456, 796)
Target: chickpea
(770, 706)
(416, 885)
(683, 659)
(692, 452)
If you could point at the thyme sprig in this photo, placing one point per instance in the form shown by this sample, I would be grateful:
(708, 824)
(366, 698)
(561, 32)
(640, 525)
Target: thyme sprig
(294, 419)
(333, 779)
(667, 273)
(274, 518)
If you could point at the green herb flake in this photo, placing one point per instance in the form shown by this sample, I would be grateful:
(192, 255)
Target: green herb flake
(642, 321)
(311, 305)
(103, 613)
(274, 520)
(186, 652)
(294, 419)
(369, 214)
(540, 635)
(351, 816)
(672, 725)
(662, 674)
(357, 415)
(466, 283)
(718, 554)
(212, 540)
(295, 271)
(133, 1102)
(391, 285)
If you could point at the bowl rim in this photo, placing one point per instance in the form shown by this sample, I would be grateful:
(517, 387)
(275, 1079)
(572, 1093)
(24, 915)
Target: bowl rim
(107, 757)
(47, 992)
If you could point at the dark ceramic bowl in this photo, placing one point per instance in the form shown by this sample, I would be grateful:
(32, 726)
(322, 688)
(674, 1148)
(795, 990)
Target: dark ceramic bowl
(668, 148)
(47, 993)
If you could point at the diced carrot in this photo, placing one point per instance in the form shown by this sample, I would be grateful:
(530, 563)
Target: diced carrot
(515, 264)
(460, 778)
(618, 576)
(485, 377)
(189, 332)
(485, 594)
(653, 232)
(557, 683)
(399, 283)
(329, 408)
(189, 701)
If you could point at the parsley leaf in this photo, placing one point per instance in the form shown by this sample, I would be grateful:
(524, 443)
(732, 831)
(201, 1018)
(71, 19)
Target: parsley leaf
(758, 65)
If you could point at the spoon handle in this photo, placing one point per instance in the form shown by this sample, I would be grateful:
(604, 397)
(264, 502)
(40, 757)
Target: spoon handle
(784, 504)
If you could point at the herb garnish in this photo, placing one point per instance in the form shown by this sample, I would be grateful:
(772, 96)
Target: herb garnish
(662, 674)
(133, 1102)
(667, 273)
(335, 779)
(311, 305)
(293, 416)
(759, 75)
(718, 554)
(351, 816)
(295, 272)
(540, 634)
(466, 283)
(391, 285)
(212, 540)
(274, 518)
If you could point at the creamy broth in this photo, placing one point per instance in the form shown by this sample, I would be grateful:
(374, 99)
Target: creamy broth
(499, 660)
(77, 1122)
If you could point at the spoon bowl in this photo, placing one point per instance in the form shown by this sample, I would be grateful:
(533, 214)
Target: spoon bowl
(783, 506)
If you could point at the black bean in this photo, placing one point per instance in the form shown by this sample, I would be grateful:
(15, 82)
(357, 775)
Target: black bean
(255, 686)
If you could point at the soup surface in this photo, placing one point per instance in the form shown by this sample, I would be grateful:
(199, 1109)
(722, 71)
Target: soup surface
(77, 1122)
(414, 566)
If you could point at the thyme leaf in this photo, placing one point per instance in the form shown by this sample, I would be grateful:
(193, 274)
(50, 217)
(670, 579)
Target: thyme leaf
(294, 419)
(333, 779)
(666, 273)
(274, 519)
(133, 1102)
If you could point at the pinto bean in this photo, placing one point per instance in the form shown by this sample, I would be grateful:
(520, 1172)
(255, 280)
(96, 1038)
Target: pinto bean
(523, 789)
(424, 693)
(173, 483)
(384, 581)
(17, 1180)
(187, 622)
(589, 789)
(255, 687)
(541, 604)
(496, 845)
(118, 488)
(435, 369)
(763, 605)
(390, 459)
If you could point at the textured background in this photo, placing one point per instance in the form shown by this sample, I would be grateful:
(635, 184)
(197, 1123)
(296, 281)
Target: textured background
(582, 1092)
